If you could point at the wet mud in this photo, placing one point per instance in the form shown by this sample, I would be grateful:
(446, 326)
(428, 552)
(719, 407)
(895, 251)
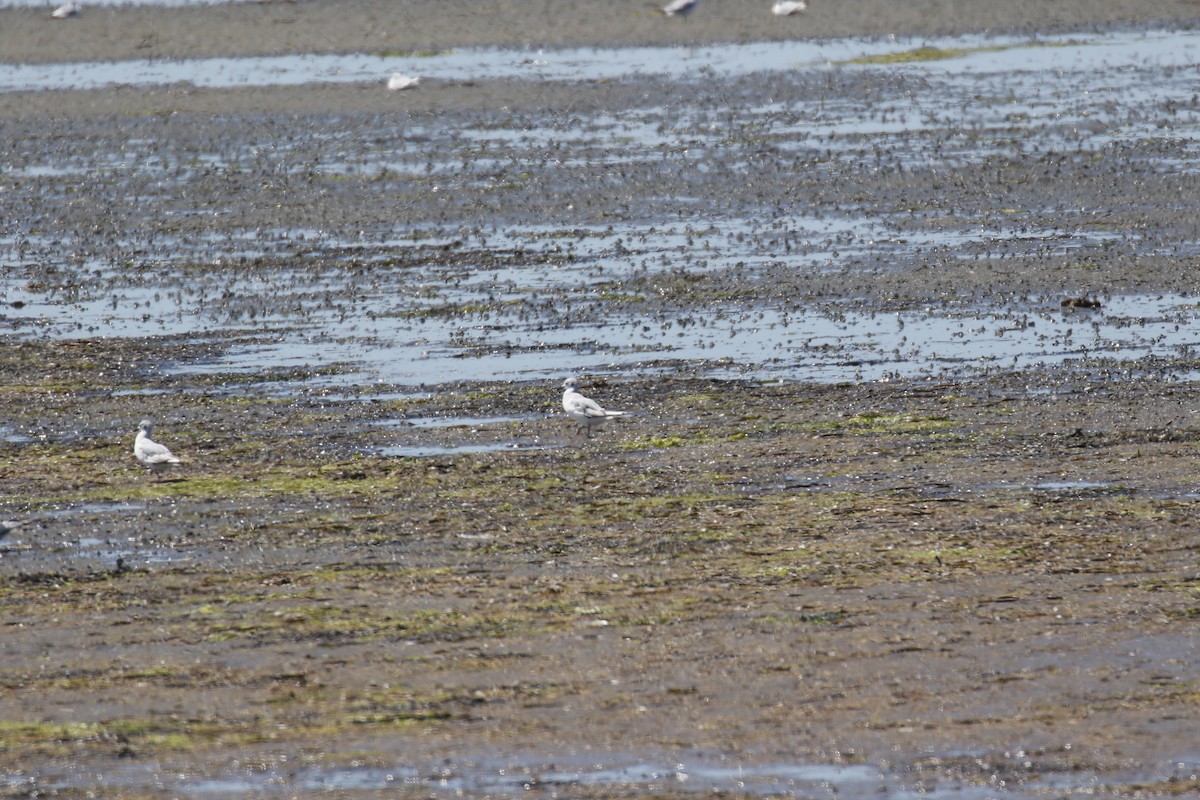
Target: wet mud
(113, 31)
(942, 544)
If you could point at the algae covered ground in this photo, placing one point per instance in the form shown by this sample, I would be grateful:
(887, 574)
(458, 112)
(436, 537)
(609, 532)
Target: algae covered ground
(953, 583)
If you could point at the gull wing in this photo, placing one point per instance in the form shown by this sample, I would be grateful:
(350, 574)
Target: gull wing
(152, 452)
(585, 406)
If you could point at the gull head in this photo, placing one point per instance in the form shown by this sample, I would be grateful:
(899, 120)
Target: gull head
(571, 384)
(146, 426)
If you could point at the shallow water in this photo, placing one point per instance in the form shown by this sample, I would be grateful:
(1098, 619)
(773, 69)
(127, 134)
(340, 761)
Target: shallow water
(428, 451)
(1022, 57)
(452, 422)
(467, 323)
(694, 774)
(528, 297)
(486, 332)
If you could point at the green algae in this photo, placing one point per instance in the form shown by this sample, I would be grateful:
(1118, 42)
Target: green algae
(396, 597)
(196, 481)
(919, 54)
(670, 440)
(57, 739)
(874, 422)
(929, 53)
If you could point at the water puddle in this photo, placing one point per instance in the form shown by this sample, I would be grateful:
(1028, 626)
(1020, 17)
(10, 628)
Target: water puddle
(1078, 488)
(815, 780)
(1071, 486)
(108, 552)
(471, 424)
(693, 775)
(430, 451)
(10, 436)
(453, 422)
(492, 779)
(118, 553)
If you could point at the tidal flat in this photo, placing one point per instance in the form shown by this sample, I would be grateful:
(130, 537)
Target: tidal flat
(905, 503)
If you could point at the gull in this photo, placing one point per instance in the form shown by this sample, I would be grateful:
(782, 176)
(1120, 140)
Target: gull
(155, 456)
(399, 82)
(10, 525)
(587, 413)
(785, 8)
(681, 7)
(70, 9)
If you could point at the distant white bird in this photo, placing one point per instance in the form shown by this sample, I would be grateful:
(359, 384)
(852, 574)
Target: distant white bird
(400, 82)
(66, 10)
(587, 413)
(9, 525)
(153, 455)
(680, 7)
(785, 8)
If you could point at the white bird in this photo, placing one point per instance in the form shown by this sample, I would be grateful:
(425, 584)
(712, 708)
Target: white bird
(399, 82)
(156, 457)
(66, 10)
(587, 413)
(785, 8)
(10, 525)
(681, 7)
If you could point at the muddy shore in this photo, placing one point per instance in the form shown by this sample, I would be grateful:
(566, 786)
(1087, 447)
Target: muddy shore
(951, 586)
(272, 28)
(29, 36)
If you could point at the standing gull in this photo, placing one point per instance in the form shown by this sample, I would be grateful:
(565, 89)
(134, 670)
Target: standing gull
(156, 457)
(587, 413)
(680, 7)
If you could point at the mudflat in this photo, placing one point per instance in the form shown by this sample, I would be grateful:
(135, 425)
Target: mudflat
(274, 28)
(973, 584)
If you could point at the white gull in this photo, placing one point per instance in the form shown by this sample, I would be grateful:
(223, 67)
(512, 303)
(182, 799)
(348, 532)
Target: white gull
(66, 10)
(785, 8)
(680, 7)
(156, 457)
(586, 412)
